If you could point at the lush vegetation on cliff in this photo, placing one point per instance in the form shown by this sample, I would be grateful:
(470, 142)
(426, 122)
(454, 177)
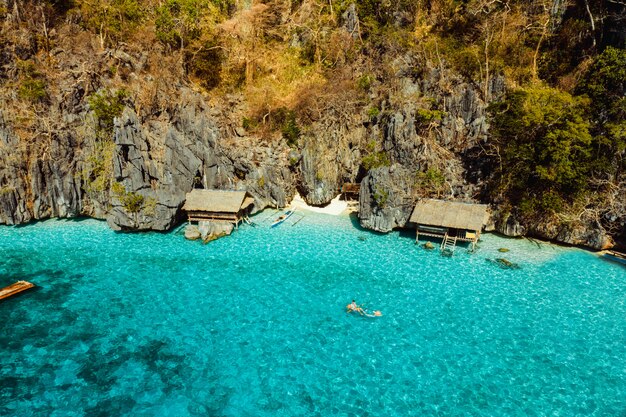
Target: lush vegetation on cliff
(558, 132)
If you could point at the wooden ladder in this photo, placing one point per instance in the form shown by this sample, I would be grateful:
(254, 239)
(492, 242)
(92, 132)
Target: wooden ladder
(448, 243)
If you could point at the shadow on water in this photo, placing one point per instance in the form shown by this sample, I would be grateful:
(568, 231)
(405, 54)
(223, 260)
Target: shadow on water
(160, 366)
(118, 405)
(80, 219)
(407, 233)
(18, 262)
(65, 220)
(24, 326)
(354, 220)
(105, 364)
(19, 273)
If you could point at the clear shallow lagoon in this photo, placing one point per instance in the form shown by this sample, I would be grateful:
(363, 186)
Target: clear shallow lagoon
(255, 325)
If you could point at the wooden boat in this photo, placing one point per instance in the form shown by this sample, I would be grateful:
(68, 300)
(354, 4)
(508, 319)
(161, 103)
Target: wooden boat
(16, 288)
(615, 256)
(281, 219)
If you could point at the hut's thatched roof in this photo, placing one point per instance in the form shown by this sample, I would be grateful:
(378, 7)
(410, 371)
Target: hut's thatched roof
(450, 214)
(246, 202)
(215, 201)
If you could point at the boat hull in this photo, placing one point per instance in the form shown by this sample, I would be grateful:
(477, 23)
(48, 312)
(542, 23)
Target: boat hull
(282, 218)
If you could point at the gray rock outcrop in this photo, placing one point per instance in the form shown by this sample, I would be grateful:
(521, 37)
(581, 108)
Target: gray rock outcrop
(385, 200)
(13, 199)
(510, 226)
(192, 232)
(587, 234)
(50, 186)
(210, 231)
(415, 143)
(160, 162)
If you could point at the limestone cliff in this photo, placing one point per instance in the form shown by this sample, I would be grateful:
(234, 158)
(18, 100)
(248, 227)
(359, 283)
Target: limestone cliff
(405, 124)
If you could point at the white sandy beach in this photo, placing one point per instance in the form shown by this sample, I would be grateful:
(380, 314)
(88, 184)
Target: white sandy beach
(335, 207)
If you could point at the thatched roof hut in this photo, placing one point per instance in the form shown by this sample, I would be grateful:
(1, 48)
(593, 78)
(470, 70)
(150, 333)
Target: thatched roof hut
(449, 219)
(222, 205)
(450, 214)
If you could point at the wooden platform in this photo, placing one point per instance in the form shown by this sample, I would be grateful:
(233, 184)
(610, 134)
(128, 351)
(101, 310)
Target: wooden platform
(449, 237)
(16, 288)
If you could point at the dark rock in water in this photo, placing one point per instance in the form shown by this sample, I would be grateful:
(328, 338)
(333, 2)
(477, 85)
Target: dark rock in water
(428, 246)
(362, 238)
(504, 263)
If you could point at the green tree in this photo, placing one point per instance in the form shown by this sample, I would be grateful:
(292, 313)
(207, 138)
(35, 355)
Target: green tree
(375, 159)
(544, 145)
(605, 84)
(290, 129)
(106, 106)
(32, 86)
(179, 21)
(131, 201)
(431, 182)
(98, 170)
(112, 20)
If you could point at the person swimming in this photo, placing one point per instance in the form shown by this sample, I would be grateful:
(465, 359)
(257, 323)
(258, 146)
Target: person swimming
(354, 307)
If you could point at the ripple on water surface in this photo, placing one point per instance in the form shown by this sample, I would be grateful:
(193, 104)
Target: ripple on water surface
(255, 325)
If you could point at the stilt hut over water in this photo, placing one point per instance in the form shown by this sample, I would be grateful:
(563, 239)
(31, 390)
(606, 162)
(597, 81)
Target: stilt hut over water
(218, 205)
(450, 221)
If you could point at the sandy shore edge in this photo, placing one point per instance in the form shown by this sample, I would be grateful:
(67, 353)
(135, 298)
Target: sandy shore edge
(336, 207)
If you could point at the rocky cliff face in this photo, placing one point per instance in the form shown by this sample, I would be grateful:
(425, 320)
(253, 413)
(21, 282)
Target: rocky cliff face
(170, 138)
(40, 188)
(12, 189)
(160, 148)
(414, 143)
(385, 200)
(587, 233)
(163, 159)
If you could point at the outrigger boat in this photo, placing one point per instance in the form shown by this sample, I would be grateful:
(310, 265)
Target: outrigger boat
(615, 256)
(283, 217)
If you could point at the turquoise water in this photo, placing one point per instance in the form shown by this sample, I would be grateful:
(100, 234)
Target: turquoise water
(255, 325)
